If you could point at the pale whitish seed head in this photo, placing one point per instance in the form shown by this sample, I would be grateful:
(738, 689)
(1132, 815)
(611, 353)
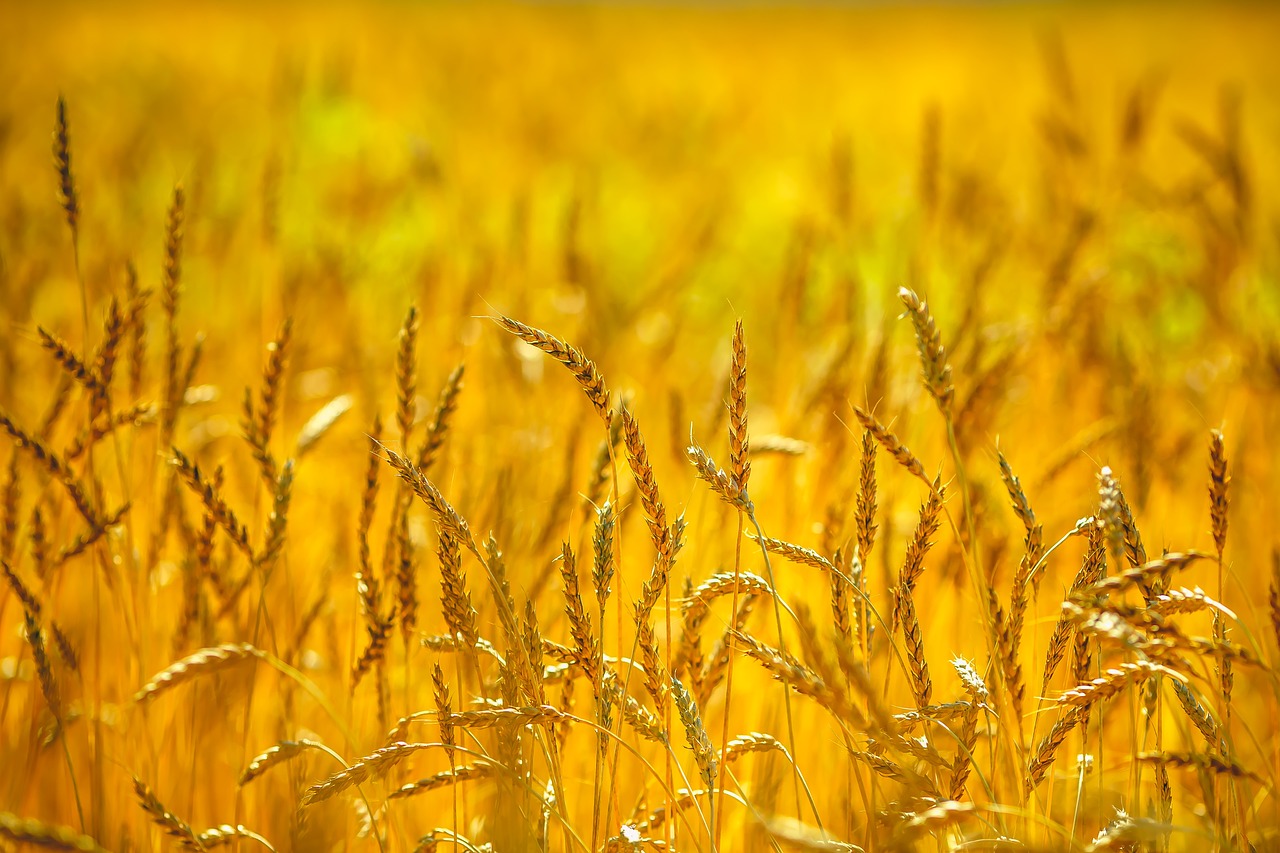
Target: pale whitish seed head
(970, 677)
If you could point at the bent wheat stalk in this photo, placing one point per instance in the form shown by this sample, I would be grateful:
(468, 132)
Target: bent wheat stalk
(204, 662)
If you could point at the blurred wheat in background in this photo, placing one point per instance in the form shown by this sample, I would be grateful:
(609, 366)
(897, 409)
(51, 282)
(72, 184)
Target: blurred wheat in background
(639, 427)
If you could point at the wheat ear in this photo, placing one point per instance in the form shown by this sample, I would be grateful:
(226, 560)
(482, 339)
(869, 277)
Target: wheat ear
(933, 356)
(67, 195)
(463, 773)
(49, 836)
(375, 764)
(171, 824)
(272, 756)
(583, 369)
(203, 662)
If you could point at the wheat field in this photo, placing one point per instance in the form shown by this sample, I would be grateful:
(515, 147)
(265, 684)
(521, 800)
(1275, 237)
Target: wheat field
(568, 427)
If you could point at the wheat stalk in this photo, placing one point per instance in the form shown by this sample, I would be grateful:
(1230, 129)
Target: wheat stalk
(1148, 576)
(44, 668)
(922, 537)
(201, 663)
(721, 483)
(375, 650)
(374, 765)
(49, 836)
(1090, 571)
(933, 356)
(407, 376)
(171, 824)
(1273, 594)
(1047, 750)
(259, 422)
(1218, 482)
(463, 773)
(9, 501)
(213, 502)
(640, 718)
(786, 669)
(70, 362)
(446, 516)
(138, 414)
(406, 578)
(531, 676)
(1214, 764)
(892, 770)
(441, 419)
(1033, 550)
(272, 756)
(170, 295)
(540, 715)
(583, 369)
(603, 565)
(1183, 600)
(218, 836)
(321, 423)
(739, 441)
(136, 327)
(586, 646)
(929, 821)
(963, 763)
(865, 515)
(918, 666)
(57, 467)
(1196, 713)
(795, 553)
(704, 754)
(778, 445)
(1112, 681)
(67, 195)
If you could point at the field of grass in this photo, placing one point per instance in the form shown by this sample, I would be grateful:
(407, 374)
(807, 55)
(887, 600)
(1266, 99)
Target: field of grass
(525, 427)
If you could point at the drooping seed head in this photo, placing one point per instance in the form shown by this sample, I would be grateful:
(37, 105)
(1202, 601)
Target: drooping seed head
(1218, 482)
(67, 195)
(933, 356)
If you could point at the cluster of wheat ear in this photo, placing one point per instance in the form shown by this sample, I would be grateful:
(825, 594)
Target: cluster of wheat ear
(847, 588)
